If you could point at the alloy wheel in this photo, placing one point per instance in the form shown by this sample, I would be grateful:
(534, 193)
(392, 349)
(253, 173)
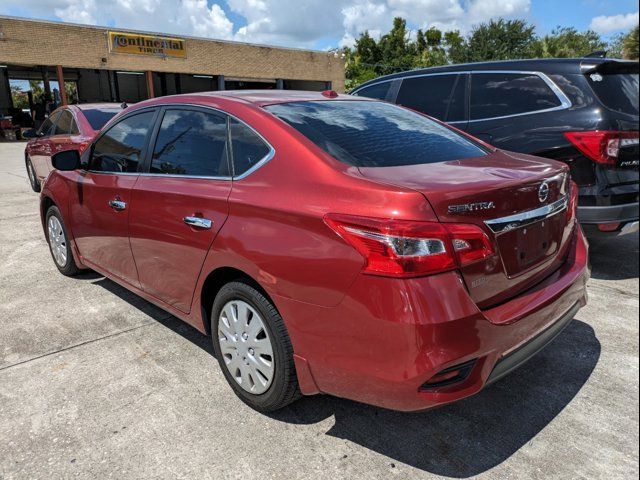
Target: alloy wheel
(246, 347)
(57, 241)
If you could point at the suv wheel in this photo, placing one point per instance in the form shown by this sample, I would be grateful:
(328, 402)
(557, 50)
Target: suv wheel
(33, 178)
(59, 243)
(253, 347)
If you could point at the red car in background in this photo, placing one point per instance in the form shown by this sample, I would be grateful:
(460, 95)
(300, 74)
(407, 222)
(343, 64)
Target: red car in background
(327, 243)
(68, 127)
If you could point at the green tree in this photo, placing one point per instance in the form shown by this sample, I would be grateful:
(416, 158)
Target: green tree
(501, 40)
(397, 52)
(630, 45)
(456, 46)
(567, 42)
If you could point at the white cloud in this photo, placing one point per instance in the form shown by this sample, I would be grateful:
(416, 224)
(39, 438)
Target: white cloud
(297, 23)
(187, 17)
(613, 23)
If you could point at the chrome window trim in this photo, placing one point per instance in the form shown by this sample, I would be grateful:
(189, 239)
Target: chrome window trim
(512, 222)
(564, 100)
(258, 164)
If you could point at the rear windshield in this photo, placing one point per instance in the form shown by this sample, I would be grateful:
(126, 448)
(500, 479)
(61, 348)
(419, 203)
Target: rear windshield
(375, 134)
(617, 91)
(98, 117)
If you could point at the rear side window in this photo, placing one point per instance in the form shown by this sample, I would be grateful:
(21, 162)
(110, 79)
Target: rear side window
(191, 142)
(98, 117)
(503, 94)
(617, 91)
(120, 149)
(63, 124)
(441, 96)
(248, 148)
(375, 134)
(378, 91)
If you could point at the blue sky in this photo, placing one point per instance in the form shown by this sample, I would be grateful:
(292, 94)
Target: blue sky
(322, 24)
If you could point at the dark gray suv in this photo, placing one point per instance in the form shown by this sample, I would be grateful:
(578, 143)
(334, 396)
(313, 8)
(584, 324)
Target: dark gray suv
(581, 111)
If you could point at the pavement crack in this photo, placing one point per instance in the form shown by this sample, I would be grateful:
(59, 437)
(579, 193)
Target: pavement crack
(81, 344)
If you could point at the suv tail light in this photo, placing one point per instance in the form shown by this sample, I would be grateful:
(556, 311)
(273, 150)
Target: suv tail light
(403, 248)
(602, 146)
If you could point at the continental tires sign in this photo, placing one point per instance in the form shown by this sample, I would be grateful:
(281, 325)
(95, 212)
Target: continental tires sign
(139, 44)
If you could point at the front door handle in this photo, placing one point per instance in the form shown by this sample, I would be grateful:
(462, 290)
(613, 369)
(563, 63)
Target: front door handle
(198, 222)
(117, 205)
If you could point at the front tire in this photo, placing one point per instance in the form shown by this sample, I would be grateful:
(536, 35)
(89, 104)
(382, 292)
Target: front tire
(253, 348)
(33, 178)
(59, 244)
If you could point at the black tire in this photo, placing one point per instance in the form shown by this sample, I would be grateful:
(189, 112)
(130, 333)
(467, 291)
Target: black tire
(284, 388)
(69, 267)
(33, 178)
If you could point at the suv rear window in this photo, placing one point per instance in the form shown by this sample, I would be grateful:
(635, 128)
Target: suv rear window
(98, 117)
(617, 91)
(375, 134)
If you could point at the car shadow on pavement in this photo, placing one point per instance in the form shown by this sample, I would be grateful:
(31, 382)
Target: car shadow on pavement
(614, 258)
(476, 434)
(459, 440)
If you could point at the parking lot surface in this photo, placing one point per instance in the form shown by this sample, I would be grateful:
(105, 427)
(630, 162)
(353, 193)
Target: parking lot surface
(98, 383)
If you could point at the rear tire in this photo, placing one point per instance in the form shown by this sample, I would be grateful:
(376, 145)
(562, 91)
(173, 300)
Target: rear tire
(33, 178)
(59, 244)
(253, 348)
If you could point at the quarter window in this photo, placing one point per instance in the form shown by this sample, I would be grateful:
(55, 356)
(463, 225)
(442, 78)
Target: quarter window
(379, 91)
(47, 128)
(63, 124)
(502, 94)
(441, 96)
(121, 148)
(191, 142)
(248, 148)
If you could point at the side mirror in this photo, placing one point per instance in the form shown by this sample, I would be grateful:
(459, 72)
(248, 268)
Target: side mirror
(66, 161)
(30, 133)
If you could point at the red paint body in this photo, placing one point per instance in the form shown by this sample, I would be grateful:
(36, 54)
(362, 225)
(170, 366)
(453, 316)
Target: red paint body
(369, 338)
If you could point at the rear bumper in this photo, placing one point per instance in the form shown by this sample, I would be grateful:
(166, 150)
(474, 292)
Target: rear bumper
(608, 214)
(389, 337)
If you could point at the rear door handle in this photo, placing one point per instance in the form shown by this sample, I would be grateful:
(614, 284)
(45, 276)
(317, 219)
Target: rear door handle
(198, 222)
(117, 204)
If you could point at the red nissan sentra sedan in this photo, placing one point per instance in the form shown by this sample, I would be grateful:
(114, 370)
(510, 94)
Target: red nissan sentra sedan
(327, 243)
(68, 127)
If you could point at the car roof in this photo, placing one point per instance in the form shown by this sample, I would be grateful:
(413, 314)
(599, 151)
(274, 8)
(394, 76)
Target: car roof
(104, 105)
(545, 65)
(258, 98)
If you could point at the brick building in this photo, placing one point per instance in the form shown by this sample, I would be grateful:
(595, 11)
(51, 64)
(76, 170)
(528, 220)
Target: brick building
(100, 64)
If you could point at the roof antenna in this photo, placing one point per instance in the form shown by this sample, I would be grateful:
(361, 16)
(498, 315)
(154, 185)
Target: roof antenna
(123, 105)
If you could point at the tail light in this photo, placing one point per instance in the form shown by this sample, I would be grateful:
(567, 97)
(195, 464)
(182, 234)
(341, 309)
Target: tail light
(573, 201)
(403, 248)
(602, 146)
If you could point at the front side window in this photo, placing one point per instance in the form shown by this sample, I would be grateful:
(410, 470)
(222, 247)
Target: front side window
(121, 148)
(440, 96)
(248, 148)
(502, 94)
(191, 142)
(375, 134)
(378, 91)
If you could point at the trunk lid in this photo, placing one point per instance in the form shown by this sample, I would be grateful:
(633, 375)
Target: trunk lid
(520, 202)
